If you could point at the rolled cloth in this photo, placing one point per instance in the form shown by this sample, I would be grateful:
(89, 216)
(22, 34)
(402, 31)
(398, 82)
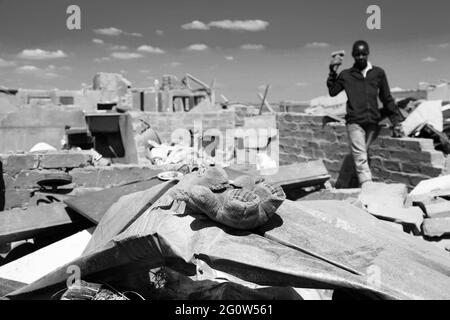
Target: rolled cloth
(246, 203)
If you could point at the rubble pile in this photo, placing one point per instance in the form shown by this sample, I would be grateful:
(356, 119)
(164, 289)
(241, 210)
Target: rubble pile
(203, 236)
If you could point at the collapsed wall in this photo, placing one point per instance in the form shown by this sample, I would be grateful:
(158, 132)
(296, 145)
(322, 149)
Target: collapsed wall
(404, 160)
(167, 123)
(20, 174)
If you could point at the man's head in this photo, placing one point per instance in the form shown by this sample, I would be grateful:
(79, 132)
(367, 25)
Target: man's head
(360, 53)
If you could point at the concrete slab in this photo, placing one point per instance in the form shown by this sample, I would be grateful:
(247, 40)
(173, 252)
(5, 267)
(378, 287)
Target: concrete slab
(438, 210)
(384, 194)
(436, 227)
(430, 188)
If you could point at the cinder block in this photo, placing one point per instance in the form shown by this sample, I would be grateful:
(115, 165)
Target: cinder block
(17, 199)
(27, 179)
(410, 168)
(392, 165)
(104, 177)
(400, 178)
(392, 195)
(13, 164)
(65, 160)
(436, 227)
(430, 171)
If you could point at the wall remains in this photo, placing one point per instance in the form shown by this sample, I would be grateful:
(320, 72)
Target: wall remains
(403, 160)
(21, 172)
(165, 123)
(21, 129)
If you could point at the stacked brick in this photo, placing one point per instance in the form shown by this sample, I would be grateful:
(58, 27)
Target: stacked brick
(403, 160)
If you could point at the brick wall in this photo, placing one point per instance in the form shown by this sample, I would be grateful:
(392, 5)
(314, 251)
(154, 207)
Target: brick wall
(405, 160)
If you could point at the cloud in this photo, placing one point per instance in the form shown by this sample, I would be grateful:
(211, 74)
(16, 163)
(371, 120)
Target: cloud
(98, 41)
(195, 25)
(38, 54)
(229, 58)
(150, 49)
(317, 45)
(47, 73)
(27, 69)
(6, 63)
(240, 25)
(197, 47)
(126, 55)
(145, 71)
(440, 45)
(234, 25)
(102, 59)
(429, 59)
(252, 47)
(118, 47)
(173, 64)
(114, 32)
(159, 32)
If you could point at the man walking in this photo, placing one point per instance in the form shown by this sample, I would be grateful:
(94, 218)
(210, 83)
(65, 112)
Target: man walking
(363, 83)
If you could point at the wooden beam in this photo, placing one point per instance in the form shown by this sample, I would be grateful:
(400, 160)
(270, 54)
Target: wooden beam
(263, 103)
(266, 103)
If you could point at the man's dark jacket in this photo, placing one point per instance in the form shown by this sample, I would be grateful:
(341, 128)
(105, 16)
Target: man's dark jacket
(362, 93)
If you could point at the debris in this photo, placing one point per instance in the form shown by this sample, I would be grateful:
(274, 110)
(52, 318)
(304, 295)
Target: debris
(91, 291)
(18, 224)
(350, 195)
(298, 175)
(438, 210)
(7, 286)
(42, 147)
(94, 205)
(412, 215)
(436, 227)
(114, 88)
(383, 194)
(428, 189)
(123, 213)
(428, 112)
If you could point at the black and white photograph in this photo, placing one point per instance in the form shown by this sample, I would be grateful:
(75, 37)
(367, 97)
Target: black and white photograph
(216, 157)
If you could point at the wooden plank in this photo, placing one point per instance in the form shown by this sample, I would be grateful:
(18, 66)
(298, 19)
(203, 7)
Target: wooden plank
(93, 206)
(123, 213)
(299, 175)
(17, 224)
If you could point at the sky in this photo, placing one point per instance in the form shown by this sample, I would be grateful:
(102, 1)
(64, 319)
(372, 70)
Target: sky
(244, 45)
